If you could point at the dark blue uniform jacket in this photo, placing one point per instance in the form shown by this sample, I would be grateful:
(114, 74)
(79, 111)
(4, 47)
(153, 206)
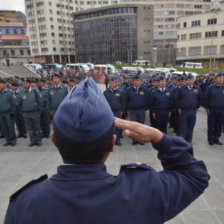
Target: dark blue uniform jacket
(136, 99)
(88, 194)
(188, 99)
(214, 97)
(160, 100)
(115, 98)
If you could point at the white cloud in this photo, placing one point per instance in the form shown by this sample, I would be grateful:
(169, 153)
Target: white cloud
(18, 5)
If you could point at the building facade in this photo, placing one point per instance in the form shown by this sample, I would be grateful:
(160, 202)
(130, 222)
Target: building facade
(166, 13)
(14, 43)
(50, 27)
(201, 38)
(114, 33)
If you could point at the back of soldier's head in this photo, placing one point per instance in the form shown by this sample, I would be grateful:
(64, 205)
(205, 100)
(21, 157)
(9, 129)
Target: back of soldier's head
(83, 125)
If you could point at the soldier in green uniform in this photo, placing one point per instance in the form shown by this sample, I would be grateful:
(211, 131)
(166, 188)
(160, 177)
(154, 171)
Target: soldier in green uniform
(56, 94)
(6, 114)
(30, 103)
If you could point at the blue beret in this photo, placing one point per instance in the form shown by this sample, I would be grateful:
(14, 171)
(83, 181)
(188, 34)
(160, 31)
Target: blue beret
(84, 114)
(181, 78)
(112, 79)
(189, 76)
(219, 74)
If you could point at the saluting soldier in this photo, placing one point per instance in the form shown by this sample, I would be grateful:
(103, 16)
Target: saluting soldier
(30, 103)
(188, 99)
(6, 114)
(56, 94)
(214, 104)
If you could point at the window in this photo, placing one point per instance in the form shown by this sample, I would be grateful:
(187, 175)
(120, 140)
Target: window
(182, 52)
(40, 3)
(212, 21)
(52, 34)
(210, 50)
(222, 49)
(183, 36)
(194, 51)
(52, 27)
(185, 24)
(196, 23)
(12, 52)
(45, 49)
(51, 19)
(222, 33)
(195, 36)
(50, 3)
(211, 34)
(54, 49)
(21, 52)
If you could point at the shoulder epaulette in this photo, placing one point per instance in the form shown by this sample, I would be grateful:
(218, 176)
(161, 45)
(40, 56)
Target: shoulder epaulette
(135, 166)
(35, 181)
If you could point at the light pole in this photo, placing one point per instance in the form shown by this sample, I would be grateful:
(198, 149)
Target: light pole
(155, 56)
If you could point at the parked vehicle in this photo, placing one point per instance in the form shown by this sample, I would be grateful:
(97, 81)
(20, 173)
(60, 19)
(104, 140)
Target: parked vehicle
(141, 62)
(78, 67)
(191, 65)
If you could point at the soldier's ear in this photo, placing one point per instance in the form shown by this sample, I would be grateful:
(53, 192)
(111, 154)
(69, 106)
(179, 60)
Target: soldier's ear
(52, 139)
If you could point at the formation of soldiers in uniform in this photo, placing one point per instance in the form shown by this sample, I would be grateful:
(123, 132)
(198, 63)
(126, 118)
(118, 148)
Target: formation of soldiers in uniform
(31, 103)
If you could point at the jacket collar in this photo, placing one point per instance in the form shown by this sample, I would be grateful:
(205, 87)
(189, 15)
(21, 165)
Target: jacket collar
(81, 172)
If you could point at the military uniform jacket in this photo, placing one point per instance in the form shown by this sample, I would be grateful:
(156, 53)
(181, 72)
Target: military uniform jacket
(56, 95)
(186, 99)
(138, 195)
(30, 101)
(214, 97)
(136, 98)
(159, 100)
(6, 101)
(115, 98)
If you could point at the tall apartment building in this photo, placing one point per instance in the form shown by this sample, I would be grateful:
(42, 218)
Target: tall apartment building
(50, 27)
(201, 38)
(166, 13)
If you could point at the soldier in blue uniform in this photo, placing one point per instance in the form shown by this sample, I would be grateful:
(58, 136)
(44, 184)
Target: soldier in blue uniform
(30, 103)
(188, 99)
(160, 105)
(115, 98)
(136, 102)
(6, 114)
(18, 115)
(57, 93)
(82, 191)
(214, 104)
(44, 111)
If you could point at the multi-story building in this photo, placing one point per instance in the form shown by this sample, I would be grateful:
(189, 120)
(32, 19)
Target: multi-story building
(166, 13)
(12, 16)
(114, 33)
(14, 43)
(50, 27)
(201, 38)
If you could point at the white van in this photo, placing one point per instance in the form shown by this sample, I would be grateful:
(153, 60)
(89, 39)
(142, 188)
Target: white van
(78, 67)
(141, 62)
(191, 65)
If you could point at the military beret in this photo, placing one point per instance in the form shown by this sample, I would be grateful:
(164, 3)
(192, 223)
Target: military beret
(78, 77)
(219, 74)
(56, 75)
(112, 79)
(84, 114)
(189, 76)
(14, 83)
(71, 80)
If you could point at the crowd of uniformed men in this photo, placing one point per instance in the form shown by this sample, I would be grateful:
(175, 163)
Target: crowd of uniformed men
(32, 103)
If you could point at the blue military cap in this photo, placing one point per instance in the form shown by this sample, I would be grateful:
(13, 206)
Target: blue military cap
(173, 77)
(189, 76)
(161, 77)
(181, 78)
(14, 83)
(112, 79)
(84, 114)
(136, 76)
(219, 74)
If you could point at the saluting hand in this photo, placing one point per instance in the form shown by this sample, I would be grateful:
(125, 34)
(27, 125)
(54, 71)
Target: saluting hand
(139, 132)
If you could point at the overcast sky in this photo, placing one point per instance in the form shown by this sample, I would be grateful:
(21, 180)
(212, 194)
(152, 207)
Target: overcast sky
(18, 5)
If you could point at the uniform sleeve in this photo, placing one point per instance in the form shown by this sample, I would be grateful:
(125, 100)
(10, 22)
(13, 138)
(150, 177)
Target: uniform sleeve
(183, 179)
(176, 98)
(9, 215)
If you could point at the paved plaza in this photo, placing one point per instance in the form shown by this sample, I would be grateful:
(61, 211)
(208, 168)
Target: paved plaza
(20, 164)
